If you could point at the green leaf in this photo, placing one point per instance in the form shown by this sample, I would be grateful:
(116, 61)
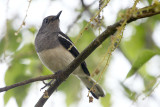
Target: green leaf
(20, 93)
(7, 96)
(149, 80)
(129, 93)
(17, 72)
(141, 59)
(32, 30)
(150, 2)
(27, 51)
(2, 46)
(45, 70)
(14, 74)
(135, 44)
(106, 101)
(10, 41)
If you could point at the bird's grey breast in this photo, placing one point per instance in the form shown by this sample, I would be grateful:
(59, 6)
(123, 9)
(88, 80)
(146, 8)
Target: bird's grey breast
(44, 41)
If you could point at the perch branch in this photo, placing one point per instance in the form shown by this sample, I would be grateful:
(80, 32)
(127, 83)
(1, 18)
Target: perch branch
(41, 78)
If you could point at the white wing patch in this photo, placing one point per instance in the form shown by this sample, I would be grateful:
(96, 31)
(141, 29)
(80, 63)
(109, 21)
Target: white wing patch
(70, 47)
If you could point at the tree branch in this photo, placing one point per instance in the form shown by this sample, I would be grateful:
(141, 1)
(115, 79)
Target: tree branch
(41, 78)
(140, 13)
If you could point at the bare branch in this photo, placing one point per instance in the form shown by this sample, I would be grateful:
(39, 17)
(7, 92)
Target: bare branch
(41, 78)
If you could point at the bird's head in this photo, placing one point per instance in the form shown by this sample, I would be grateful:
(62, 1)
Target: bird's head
(51, 23)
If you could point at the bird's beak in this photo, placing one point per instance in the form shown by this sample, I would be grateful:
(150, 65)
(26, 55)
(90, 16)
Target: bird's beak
(58, 15)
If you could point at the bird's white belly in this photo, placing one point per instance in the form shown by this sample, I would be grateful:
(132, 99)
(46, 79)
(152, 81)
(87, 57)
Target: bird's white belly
(57, 59)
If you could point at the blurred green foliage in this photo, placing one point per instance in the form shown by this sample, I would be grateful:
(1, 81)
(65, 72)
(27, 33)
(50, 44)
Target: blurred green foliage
(24, 62)
(139, 49)
(10, 42)
(141, 59)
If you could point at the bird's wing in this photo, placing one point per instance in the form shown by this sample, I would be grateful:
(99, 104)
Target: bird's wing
(67, 43)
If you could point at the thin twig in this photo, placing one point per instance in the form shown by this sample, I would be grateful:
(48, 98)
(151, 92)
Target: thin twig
(85, 8)
(23, 23)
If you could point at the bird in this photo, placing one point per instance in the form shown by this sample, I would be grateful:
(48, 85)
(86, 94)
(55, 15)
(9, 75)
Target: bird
(52, 47)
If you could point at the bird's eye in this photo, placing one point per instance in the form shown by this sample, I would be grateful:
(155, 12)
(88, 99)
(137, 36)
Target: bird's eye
(46, 20)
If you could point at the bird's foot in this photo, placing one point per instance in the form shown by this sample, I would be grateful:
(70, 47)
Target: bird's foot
(59, 75)
(46, 84)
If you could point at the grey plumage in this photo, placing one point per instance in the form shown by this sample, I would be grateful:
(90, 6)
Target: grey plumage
(48, 41)
(47, 36)
(52, 48)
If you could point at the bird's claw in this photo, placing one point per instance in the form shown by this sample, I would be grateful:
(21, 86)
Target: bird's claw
(46, 84)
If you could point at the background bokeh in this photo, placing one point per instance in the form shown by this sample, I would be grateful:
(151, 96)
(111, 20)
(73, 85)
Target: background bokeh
(140, 43)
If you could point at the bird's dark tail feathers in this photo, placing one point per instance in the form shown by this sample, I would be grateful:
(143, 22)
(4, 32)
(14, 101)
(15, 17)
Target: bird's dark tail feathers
(96, 90)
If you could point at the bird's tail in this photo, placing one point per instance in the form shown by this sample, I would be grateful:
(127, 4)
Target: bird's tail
(96, 90)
